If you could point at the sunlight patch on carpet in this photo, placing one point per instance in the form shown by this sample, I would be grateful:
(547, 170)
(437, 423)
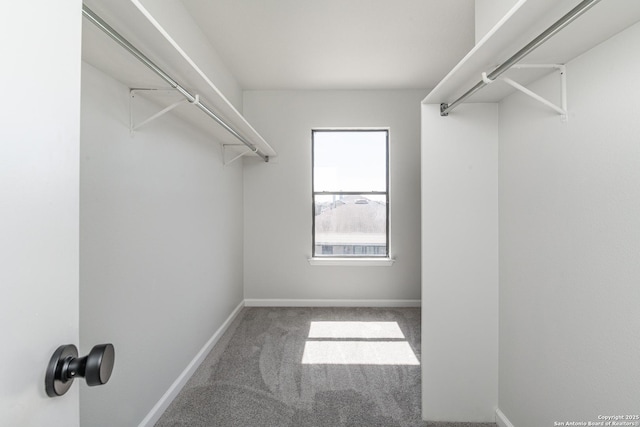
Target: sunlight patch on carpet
(371, 330)
(357, 343)
(358, 353)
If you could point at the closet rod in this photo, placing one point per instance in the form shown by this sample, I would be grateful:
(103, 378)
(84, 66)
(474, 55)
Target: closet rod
(193, 99)
(573, 14)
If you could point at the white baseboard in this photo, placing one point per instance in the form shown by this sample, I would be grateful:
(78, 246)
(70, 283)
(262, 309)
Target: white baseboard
(256, 302)
(156, 412)
(502, 420)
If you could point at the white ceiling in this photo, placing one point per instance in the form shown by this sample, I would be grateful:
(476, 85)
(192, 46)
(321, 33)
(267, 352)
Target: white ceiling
(337, 44)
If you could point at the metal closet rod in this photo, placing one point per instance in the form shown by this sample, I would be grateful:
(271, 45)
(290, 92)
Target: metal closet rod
(568, 18)
(193, 99)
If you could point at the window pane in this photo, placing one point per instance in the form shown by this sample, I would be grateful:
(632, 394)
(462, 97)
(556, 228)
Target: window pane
(350, 225)
(350, 161)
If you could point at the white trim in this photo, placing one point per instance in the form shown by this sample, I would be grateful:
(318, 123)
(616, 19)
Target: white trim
(502, 420)
(352, 262)
(259, 302)
(156, 412)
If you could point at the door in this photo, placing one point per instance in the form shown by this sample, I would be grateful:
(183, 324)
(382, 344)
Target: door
(39, 188)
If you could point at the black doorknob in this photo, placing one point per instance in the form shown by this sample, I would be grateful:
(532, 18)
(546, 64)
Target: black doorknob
(65, 365)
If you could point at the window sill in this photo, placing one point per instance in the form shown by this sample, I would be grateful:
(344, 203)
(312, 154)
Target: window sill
(352, 262)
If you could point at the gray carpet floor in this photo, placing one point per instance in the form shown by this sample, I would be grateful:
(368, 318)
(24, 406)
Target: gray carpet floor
(254, 377)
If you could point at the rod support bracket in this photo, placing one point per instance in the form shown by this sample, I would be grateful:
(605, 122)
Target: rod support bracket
(486, 79)
(132, 96)
(443, 109)
(247, 150)
(560, 109)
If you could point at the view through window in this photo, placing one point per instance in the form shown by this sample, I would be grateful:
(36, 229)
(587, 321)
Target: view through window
(350, 193)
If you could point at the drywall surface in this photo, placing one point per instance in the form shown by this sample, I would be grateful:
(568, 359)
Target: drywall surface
(39, 146)
(460, 263)
(278, 203)
(161, 248)
(488, 13)
(570, 244)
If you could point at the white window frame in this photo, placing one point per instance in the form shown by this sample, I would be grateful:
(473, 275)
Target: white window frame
(351, 260)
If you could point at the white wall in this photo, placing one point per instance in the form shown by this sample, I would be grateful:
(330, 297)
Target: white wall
(161, 248)
(460, 263)
(278, 202)
(39, 145)
(488, 13)
(570, 244)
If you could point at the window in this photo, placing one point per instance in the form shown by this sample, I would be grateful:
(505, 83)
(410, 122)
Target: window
(350, 186)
